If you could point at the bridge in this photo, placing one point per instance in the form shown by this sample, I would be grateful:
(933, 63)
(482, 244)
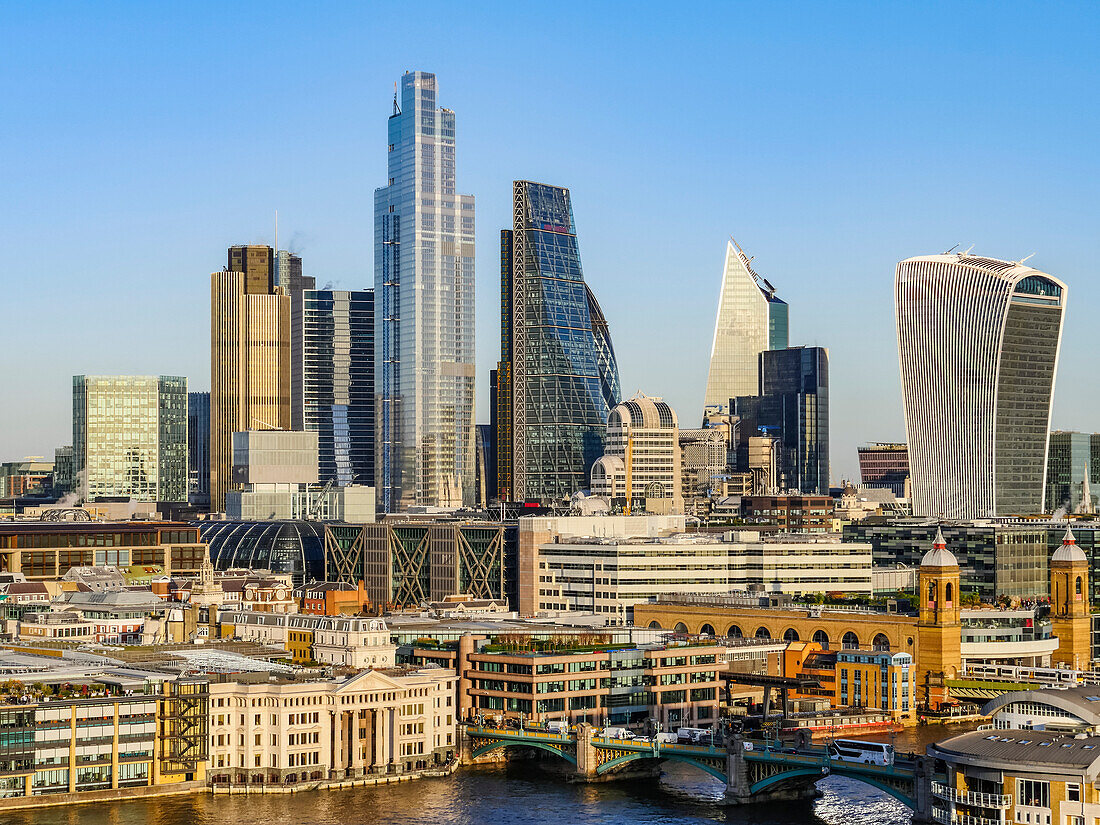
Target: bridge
(753, 770)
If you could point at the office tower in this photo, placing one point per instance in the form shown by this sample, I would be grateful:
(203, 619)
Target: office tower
(884, 465)
(750, 319)
(288, 273)
(558, 379)
(1071, 473)
(198, 448)
(130, 436)
(978, 341)
(641, 464)
(63, 472)
(792, 405)
(249, 358)
(424, 310)
(333, 345)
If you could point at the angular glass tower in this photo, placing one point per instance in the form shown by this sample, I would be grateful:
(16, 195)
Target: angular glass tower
(558, 378)
(978, 342)
(334, 355)
(750, 320)
(424, 310)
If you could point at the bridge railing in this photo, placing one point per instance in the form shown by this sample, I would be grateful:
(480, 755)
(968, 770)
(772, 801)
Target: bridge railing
(982, 800)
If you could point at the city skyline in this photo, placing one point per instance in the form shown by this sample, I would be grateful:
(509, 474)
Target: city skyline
(860, 194)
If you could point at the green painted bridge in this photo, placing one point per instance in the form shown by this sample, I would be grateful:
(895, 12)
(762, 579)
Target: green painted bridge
(753, 770)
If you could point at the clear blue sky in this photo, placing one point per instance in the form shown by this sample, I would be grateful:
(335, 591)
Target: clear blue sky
(138, 141)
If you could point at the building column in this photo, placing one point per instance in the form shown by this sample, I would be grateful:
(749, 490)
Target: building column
(378, 751)
(356, 745)
(114, 751)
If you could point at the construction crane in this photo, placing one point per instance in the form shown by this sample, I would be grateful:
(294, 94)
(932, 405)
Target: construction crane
(315, 508)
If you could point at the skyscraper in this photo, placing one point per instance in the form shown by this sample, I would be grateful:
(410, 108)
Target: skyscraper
(249, 358)
(424, 310)
(978, 342)
(558, 378)
(792, 405)
(130, 436)
(198, 448)
(334, 380)
(884, 466)
(750, 319)
(1071, 472)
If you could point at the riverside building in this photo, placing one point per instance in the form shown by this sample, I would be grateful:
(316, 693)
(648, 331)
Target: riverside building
(978, 340)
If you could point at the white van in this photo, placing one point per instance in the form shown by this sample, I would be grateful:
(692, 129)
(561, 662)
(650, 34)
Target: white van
(666, 738)
(695, 736)
(557, 726)
(617, 733)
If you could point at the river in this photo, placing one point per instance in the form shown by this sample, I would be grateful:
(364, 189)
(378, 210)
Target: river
(503, 794)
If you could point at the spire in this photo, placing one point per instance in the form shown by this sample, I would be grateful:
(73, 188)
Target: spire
(1068, 538)
(1069, 551)
(939, 555)
(1084, 507)
(938, 543)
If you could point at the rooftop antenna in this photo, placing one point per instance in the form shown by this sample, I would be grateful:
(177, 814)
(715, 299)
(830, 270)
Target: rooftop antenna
(396, 108)
(1028, 258)
(952, 249)
(968, 250)
(276, 230)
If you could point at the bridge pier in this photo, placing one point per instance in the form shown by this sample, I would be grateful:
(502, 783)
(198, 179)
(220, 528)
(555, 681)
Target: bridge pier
(739, 784)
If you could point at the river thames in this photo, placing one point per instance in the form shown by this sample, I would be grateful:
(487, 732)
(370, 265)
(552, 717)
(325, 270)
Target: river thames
(499, 794)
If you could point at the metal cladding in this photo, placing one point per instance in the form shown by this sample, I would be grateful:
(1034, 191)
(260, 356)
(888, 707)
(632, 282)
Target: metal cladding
(978, 343)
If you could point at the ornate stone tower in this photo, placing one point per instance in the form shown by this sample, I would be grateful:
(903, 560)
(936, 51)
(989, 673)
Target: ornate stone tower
(1069, 603)
(939, 630)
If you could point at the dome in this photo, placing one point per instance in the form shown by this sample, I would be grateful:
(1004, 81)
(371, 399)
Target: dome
(939, 555)
(643, 411)
(294, 548)
(1069, 551)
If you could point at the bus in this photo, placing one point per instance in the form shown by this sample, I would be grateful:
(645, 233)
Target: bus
(856, 750)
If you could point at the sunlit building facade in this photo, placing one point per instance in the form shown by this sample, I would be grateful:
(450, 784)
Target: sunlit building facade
(750, 319)
(558, 378)
(130, 436)
(424, 310)
(978, 340)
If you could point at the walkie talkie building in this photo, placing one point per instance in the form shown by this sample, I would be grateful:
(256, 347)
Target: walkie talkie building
(978, 342)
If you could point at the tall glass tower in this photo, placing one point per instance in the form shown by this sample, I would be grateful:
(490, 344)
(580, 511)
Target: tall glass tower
(978, 341)
(750, 319)
(424, 310)
(334, 355)
(558, 378)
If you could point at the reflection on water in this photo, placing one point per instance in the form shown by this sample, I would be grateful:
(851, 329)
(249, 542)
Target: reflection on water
(519, 792)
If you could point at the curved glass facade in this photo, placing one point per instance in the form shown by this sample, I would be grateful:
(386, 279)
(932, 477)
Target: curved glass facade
(296, 548)
(556, 352)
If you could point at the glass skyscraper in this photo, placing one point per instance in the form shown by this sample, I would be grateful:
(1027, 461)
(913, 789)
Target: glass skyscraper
(198, 448)
(750, 319)
(792, 404)
(424, 310)
(978, 340)
(558, 379)
(130, 436)
(334, 363)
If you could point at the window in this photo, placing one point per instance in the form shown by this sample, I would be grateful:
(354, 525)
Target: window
(1073, 792)
(1033, 793)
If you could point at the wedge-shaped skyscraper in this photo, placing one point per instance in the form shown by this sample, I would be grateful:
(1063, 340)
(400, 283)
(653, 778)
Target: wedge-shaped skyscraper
(978, 341)
(558, 378)
(750, 320)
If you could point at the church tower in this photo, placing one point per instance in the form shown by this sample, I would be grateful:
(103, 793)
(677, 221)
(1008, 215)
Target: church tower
(1069, 604)
(939, 629)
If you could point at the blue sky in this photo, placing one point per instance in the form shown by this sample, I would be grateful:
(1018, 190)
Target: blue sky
(138, 141)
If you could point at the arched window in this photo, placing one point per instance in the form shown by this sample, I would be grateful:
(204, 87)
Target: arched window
(708, 629)
(822, 638)
(850, 641)
(763, 633)
(931, 592)
(790, 635)
(947, 594)
(680, 627)
(880, 642)
(655, 625)
(1078, 586)
(735, 632)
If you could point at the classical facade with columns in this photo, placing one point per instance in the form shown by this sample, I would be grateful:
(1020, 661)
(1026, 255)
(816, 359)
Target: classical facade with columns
(283, 733)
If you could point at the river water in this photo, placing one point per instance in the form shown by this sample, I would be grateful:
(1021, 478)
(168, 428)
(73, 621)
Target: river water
(503, 794)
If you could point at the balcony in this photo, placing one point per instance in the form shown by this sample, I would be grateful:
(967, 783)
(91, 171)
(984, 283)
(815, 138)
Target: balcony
(945, 818)
(980, 800)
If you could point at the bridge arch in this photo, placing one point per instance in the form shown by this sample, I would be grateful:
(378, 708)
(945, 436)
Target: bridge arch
(549, 747)
(815, 774)
(618, 762)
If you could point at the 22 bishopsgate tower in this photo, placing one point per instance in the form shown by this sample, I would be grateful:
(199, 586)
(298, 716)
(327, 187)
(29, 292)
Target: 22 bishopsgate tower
(978, 341)
(424, 310)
